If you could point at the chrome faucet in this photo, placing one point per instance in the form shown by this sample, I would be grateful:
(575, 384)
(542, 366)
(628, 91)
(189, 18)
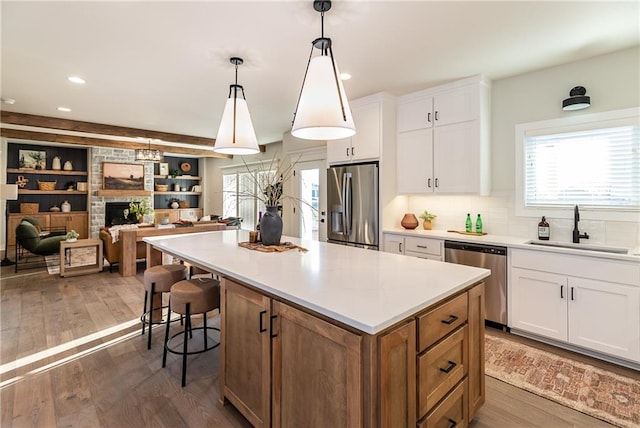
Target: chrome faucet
(576, 233)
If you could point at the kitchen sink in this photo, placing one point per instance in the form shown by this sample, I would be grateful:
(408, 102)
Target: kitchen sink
(586, 247)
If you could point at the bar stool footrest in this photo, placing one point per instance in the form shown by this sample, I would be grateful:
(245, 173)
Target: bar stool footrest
(181, 333)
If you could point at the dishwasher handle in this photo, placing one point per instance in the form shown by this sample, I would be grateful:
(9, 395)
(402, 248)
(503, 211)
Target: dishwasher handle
(478, 248)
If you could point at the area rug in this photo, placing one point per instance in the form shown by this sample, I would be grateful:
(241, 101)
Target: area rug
(585, 388)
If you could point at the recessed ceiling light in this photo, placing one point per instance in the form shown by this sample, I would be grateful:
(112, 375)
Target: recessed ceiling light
(65, 109)
(345, 76)
(76, 79)
(8, 100)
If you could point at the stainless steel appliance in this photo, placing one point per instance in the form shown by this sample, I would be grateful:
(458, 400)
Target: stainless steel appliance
(352, 201)
(488, 257)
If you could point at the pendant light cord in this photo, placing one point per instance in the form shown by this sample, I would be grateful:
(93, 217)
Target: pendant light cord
(235, 98)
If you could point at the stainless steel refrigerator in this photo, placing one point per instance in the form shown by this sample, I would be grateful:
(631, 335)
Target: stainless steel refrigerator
(352, 201)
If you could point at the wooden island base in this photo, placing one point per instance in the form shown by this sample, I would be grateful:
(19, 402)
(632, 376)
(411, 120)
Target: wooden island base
(284, 366)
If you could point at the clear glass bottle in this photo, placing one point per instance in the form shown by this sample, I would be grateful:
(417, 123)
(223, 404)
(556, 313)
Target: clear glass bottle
(468, 224)
(544, 231)
(478, 224)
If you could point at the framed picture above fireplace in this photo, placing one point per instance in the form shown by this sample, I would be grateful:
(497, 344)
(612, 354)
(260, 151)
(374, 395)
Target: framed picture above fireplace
(122, 176)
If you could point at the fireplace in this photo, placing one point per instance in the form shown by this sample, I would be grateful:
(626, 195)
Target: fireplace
(114, 214)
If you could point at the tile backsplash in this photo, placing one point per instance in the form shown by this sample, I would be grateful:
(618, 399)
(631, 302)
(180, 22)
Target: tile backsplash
(498, 218)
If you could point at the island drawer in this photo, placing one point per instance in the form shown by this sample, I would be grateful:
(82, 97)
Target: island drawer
(437, 323)
(441, 368)
(451, 412)
(423, 245)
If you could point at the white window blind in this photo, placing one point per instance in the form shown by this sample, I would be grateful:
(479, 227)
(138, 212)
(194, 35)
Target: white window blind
(596, 167)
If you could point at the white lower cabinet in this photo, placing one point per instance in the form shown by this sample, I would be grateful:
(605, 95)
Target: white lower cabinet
(423, 248)
(599, 313)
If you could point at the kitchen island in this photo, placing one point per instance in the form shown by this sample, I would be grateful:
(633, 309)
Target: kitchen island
(341, 336)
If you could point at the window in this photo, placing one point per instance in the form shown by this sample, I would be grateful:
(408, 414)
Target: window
(239, 190)
(590, 160)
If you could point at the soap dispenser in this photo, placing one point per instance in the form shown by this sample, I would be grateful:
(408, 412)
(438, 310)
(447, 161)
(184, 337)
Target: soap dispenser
(544, 231)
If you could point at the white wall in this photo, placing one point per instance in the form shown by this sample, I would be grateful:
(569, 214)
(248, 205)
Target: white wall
(612, 82)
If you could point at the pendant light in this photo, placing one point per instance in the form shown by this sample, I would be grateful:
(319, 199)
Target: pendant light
(236, 135)
(322, 112)
(148, 155)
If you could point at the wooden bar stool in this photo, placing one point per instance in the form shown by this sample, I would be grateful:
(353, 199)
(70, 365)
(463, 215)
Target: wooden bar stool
(159, 279)
(190, 297)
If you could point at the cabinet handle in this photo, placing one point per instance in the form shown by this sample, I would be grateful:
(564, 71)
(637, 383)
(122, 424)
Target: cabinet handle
(271, 325)
(422, 246)
(429, 117)
(572, 294)
(400, 247)
(453, 423)
(347, 151)
(262, 328)
(562, 291)
(449, 368)
(451, 320)
(429, 183)
(352, 154)
(436, 115)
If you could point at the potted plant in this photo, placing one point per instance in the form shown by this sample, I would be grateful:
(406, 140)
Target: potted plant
(427, 218)
(72, 236)
(139, 207)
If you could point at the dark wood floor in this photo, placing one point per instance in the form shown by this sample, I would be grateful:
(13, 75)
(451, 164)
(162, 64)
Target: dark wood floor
(110, 379)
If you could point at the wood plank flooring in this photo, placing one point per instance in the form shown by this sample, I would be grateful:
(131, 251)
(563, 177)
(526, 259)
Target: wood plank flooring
(112, 380)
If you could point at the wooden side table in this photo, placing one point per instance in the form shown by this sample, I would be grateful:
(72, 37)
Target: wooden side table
(66, 250)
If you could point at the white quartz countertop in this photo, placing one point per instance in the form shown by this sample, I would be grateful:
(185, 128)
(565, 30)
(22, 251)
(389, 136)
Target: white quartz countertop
(583, 249)
(365, 289)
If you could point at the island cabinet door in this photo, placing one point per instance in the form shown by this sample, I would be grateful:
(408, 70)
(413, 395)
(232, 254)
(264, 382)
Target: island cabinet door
(397, 371)
(476, 350)
(317, 378)
(246, 351)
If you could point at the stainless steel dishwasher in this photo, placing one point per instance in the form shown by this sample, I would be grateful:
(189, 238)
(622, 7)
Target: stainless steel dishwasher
(488, 257)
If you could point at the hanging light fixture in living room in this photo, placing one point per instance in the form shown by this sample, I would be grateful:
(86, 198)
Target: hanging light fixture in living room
(236, 135)
(322, 112)
(148, 155)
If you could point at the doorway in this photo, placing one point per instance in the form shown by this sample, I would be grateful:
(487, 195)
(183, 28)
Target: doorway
(309, 187)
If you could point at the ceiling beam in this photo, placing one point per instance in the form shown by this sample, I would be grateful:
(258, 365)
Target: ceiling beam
(98, 128)
(100, 142)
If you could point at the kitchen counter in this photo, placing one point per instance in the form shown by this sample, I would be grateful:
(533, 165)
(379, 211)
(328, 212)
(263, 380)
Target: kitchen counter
(518, 242)
(367, 290)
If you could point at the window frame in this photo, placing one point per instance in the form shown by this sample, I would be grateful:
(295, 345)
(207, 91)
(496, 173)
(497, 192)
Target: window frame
(562, 125)
(253, 168)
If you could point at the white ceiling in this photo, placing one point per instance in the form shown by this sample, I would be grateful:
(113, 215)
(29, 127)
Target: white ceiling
(164, 66)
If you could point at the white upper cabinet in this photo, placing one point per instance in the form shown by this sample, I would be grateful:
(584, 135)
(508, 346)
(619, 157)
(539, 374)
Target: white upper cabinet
(443, 139)
(366, 143)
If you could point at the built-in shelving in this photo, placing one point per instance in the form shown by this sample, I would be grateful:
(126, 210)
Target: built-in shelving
(179, 193)
(50, 192)
(45, 171)
(178, 177)
(125, 193)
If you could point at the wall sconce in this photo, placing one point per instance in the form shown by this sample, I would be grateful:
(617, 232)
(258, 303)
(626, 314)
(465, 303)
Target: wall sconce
(577, 99)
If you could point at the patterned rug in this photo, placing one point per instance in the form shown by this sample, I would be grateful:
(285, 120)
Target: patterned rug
(585, 388)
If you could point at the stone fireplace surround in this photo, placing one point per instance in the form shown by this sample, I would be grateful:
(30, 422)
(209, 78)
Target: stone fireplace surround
(97, 204)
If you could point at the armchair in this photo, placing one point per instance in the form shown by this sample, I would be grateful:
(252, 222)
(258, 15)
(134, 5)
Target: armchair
(111, 250)
(32, 239)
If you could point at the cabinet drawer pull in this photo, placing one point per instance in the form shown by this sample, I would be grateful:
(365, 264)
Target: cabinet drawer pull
(436, 115)
(262, 328)
(352, 153)
(437, 182)
(429, 183)
(572, 294)
(347, 151)
(271, 325)
(562, 291)
(422, 246)
(449, 368)
(453, 423)
(451, 320)
(429, 117)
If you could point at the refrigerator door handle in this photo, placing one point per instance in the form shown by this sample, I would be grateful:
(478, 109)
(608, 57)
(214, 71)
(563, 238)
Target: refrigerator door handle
(347, 202)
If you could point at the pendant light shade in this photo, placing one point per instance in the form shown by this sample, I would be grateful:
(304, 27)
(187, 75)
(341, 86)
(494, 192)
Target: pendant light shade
(236, 135)
(148, 155)
(323, 111)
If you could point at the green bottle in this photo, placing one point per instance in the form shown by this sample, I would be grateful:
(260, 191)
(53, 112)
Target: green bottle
(467, 224)
(478, 224)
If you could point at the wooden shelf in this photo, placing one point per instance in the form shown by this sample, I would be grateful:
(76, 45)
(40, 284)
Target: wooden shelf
(50, 192)
(178, 193)
(112, 193)
(45, 171)
(179, 177)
